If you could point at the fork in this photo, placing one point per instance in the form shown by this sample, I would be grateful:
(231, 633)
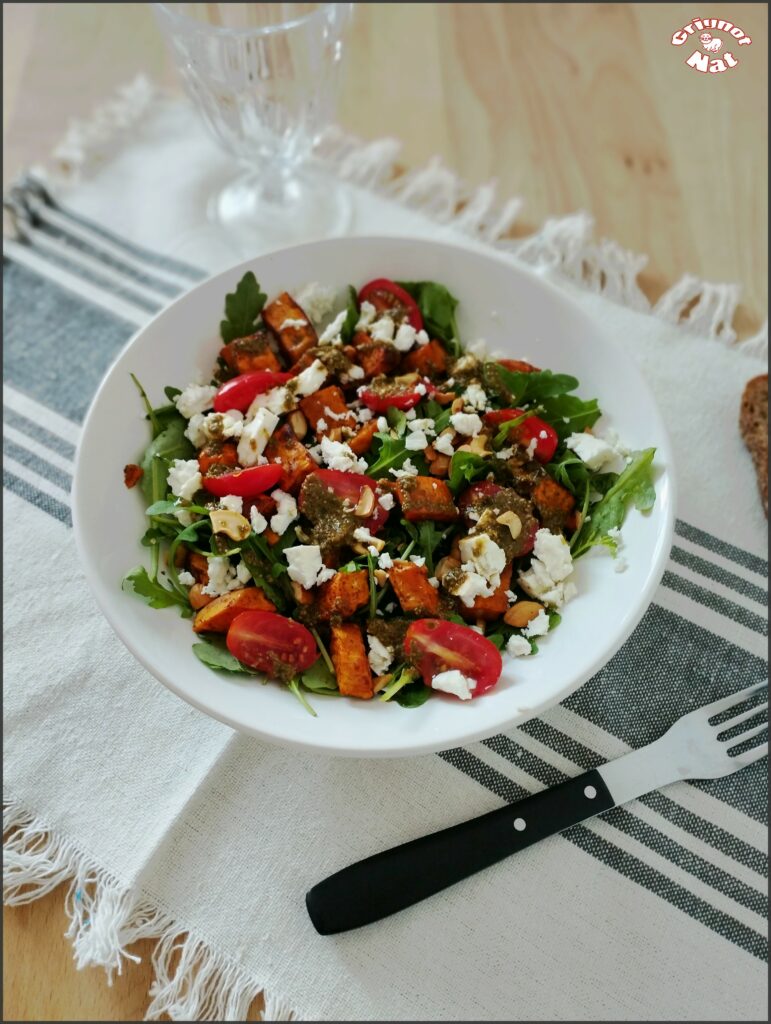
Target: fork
(695, 747)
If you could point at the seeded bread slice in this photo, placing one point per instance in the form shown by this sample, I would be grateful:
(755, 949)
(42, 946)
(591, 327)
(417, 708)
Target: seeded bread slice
(753, 423)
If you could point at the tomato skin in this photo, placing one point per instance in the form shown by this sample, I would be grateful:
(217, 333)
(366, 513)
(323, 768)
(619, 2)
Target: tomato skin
(438, 646)
(401, 400)
(529, 543)
(518, 366)
(474, 493)
(349, 486)
(527, 430)
(245, 483)
(240, 392)
(260, 639)
(379, 291)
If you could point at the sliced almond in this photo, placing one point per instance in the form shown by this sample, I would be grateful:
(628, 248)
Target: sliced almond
(514, 523)
(457, 405)
(429, 453)
(407, 379)
(381, 576)
(521, 613)
(366, 503)
(233, 524)
(381, 682)
(301, 596)
(298, 423)
(335, 434)
(477, 445)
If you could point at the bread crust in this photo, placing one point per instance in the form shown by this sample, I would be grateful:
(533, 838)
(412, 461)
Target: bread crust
(753, 424)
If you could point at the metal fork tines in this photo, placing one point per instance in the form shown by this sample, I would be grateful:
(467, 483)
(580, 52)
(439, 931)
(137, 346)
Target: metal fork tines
(708, 741)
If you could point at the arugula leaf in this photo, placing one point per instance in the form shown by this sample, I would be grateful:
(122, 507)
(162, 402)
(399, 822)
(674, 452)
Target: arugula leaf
(633, 486)
(392, 454)
(319, 679)
(437, 307)
(414, 695)
(516, 387)
(242, 308)
(219, 657)
(170, 444)
(138, 582)
(427, 540)
(294, 687)
(154, 422)
(397, 420)
(569, 414)
(464, 468)
(172, 393)
(351, 318)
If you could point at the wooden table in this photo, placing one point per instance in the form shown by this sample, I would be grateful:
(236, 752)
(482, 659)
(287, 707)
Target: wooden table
(568, 105)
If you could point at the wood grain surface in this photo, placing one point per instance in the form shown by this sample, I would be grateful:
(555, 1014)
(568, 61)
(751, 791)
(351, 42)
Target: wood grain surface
(568, 105)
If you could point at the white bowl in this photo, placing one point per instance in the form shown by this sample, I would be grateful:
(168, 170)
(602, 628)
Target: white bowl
(515, 311)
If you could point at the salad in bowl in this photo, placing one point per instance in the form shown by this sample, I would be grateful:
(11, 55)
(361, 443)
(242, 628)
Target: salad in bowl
(354, 503)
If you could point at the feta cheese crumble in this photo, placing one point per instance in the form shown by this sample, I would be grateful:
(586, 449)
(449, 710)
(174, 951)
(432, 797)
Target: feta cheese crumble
(255, 436)
(232, 503)
(596, 453)
(367, 314)
(443, 444)
(517, 646)
(311, 378)
(331, 333)
(379, 656)
(306, 566)
(184, 478)
(484, 556)
(195, 398)
(338, 455)
(405, 337)
(454, 682)
(408, 469)
(475, 397)
(547, 579)
(386, 501)
(286, 512)
(258, 520)
(467, 423)
(187, 579)
(222, 576)
(539, 626)
(382, 329)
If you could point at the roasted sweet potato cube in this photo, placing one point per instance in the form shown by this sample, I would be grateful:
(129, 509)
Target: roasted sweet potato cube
(198, 566)
(361, 442)
(429, 360)
(217, 616)
(377, 357)
(217, 453)
(554, 502)
(490, 608)
(328, 406)
(343, 595)
(349, 656)
(425, 497)
(296, 463)
(253, 352)
(295, 339)
(415, 593)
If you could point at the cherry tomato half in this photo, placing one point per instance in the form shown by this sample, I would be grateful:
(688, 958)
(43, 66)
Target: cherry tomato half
(348, 487)
(245, 483)
(240, 392)
(261, 639)
(389, 297)
(518, 366)
(438, 646)
(546, 439)
(474, 494)
(529, 542)
(402, 400)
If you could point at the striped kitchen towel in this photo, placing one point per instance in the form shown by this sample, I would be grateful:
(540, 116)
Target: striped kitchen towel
(169, 824)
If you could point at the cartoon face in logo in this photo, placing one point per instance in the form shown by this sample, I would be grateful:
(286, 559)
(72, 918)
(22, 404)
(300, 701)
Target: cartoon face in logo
(709, 44)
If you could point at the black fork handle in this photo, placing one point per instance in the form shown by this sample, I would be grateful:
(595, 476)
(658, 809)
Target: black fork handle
(397, 878)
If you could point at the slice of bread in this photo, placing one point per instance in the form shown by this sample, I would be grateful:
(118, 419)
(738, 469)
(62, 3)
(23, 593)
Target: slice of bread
(753, 423)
